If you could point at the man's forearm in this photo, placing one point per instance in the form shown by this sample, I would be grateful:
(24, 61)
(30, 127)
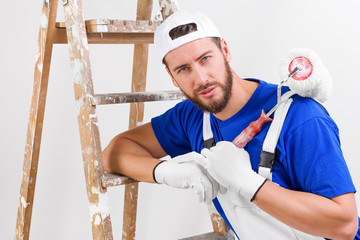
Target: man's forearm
(332, 218)
(126, 157)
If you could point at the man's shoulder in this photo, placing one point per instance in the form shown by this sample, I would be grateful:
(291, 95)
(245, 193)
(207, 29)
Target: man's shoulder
(305, 110)
(302, 108)
(186, 107)
(182, 113)
(309, 107)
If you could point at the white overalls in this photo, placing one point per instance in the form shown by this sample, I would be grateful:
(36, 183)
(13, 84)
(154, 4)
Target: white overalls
(248, 221)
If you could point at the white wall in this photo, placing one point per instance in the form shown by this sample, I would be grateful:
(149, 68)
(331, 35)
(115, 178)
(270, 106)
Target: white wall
(258, 32)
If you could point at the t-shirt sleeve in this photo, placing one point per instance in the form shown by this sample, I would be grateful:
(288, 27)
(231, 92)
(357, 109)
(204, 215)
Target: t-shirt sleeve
(315, 159)
(169, 129)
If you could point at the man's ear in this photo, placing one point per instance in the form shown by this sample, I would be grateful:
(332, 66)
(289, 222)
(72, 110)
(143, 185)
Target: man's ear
(225, 50)
(172, 78)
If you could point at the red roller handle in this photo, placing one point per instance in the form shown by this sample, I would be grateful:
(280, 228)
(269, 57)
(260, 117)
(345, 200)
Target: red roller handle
(249, 133)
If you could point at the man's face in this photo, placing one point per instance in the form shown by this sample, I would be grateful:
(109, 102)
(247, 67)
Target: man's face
(202, 72)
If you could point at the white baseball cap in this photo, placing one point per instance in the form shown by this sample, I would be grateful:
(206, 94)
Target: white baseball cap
(162, 40)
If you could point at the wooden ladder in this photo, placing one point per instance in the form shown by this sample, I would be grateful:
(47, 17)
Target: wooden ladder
(78, 33)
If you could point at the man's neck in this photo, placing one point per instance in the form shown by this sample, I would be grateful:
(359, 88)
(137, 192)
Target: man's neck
(242, 90)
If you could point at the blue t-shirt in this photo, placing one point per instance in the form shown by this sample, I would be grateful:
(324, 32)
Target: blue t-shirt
(308, 153)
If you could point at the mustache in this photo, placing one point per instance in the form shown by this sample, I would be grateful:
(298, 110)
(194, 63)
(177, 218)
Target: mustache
(205, 86)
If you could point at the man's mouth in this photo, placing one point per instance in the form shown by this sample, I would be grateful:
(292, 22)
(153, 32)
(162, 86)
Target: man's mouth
(208, 92)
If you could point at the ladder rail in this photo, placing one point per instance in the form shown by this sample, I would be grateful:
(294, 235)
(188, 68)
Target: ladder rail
(168, 7)
(87, 120)
(36, 119)
(138, 84)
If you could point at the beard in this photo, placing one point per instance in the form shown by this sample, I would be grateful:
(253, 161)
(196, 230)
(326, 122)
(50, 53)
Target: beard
(214, 106)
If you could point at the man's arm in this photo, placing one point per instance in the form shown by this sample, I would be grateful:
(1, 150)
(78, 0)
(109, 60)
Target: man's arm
(334, 218)
(134, 153)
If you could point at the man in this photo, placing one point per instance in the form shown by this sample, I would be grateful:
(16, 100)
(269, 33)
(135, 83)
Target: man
(311, 193)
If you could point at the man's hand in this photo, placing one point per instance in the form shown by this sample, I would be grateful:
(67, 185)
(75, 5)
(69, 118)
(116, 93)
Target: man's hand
(230, 166)
(184, 172)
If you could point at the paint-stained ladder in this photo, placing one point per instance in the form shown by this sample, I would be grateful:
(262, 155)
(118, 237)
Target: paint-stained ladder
(78, 33)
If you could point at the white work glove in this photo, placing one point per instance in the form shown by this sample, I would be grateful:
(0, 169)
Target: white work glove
(183, 172)
(231, 167)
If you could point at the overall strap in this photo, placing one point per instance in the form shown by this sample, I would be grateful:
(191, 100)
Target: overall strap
(267, 156)
(208, 137)
(209, 141)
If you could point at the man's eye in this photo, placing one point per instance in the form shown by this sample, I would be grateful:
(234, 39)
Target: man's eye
(204, 59)
(183, 69)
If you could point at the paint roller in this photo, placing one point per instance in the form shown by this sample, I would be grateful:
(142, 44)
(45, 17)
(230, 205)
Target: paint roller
(312, 79)
(302, 70)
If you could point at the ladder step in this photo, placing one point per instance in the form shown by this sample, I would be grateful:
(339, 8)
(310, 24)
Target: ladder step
(111, 180)
(209, 236)
(110, 31)
(115, 98)
(119, 26)
(123, 26)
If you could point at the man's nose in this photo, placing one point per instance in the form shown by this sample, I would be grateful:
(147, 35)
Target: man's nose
(200, 76)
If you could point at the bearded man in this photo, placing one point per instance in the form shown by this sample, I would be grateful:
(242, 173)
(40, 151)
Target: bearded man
(311, 195)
